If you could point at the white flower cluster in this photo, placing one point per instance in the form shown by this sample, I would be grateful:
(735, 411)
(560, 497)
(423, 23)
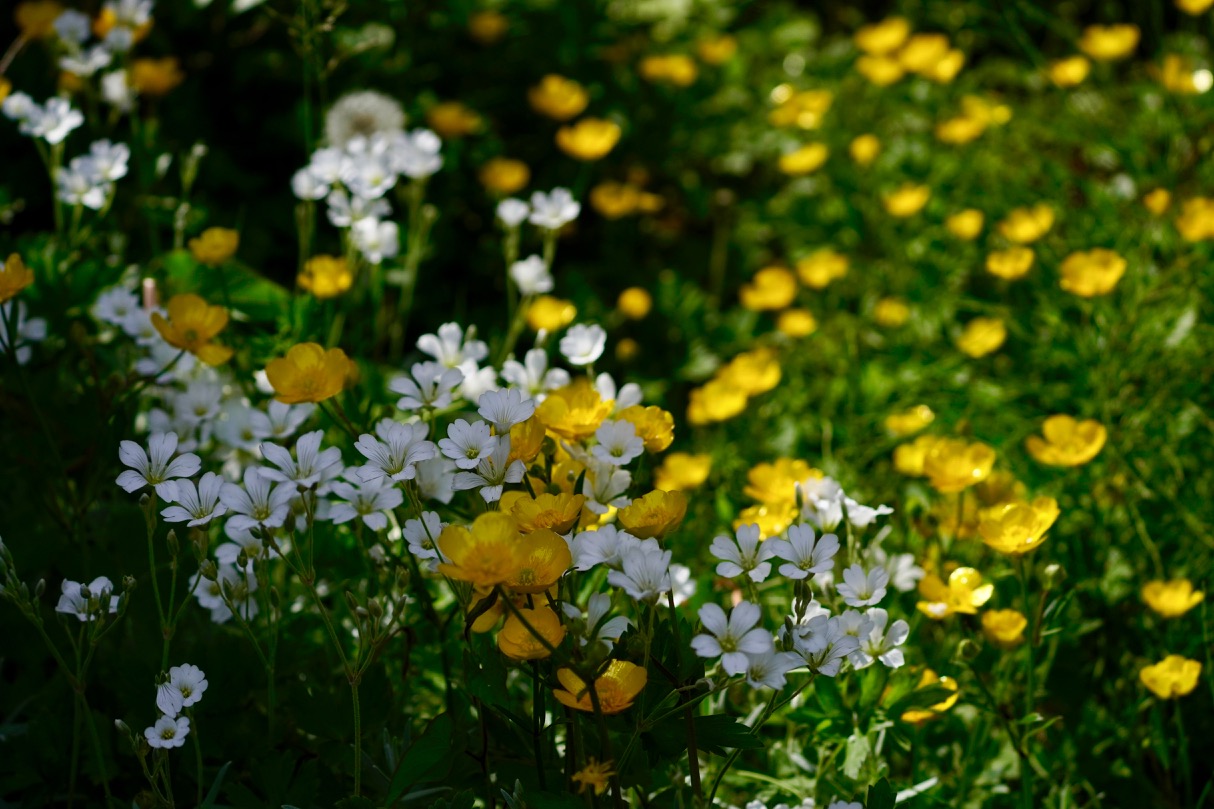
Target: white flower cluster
(87, 601)
(183, 688)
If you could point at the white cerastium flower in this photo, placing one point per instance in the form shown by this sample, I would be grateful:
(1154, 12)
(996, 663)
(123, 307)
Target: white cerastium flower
(860, 589)
(769, 669)
(513, 212)
(533, 375)
(467, 443)
(430, 385)
(310, 467)
(183, 689)
(369, 499)
(492, 472)
(167, 733)
(644, 573)
(733, 638)
(258, 502)
(583, 344)
(505, 408)
(823, 644)
(531, 276)
(451, 346)
(748, 554)
(618, 443)
(85, 601)
(197, 506)
(394, 456)
(156, 467)
(881, 642)
(554, 210)
(803, 556)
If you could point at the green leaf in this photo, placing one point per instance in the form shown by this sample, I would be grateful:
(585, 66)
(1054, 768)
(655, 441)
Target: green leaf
(258, 299)
(880, 796)
(427, 759)
(719, 733)
(213, 792)
(858, 748)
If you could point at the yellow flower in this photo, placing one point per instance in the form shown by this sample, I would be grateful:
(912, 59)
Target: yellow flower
(947, 68)
(1091, 273)
(907, 200)
(1067, 442)
(487, 554)
(752, 372)
(821, 267)
(634, 303)
(654, 515)
(191, 326)
(558, 98)
(214, 246)
(107, 21)
(1157, 201)
(880, 70)
(922, 52)
(772, 520)
(883, 37)
(6, 87)
(36, 18)
(805, 160)
(550, 314)
(504, 175)
(574, 411)
(718, 400)
(1106, 43)
(981, 336)
(1176, 75)
(674, 68)
(1196, 219)
(308, 373)
(615, 200)
(803, 109)
(14, 277)
(518, 640)
(965, 224)
(1017, 528)
(1173, 598)
(986, 111)
(681, 471)
(775, 483)
(964, 594)
(453, 119)
(770, 288)
(1010, 264)
(796, 323)
(155, 77)
(654, 426)
(1026, 225)
(616, 688)
(627, 349)
(959, 130)
(543, 557)
(864, 149)
(595, 775)
(487, 27)
(555, 512)
(919, 715)
(1172, 677)
(1070, 71)
(1004, 628)
(954, 464)
(1194, 7)
(326, 276)
(910, 458)
(891, 312)
(909, 421)
(589, 139)
(717, 50)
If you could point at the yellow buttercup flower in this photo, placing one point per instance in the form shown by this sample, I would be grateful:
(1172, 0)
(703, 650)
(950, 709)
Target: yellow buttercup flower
(988, 112)
(504, 175)
(770, 288)
(907, 200)
(453, 119)
(308, 373)
(883, 37)
(804, 109)
(717, 50)
(909, 421)
(775, 483)
(6, 87)
(1173, 598)
(805, 160)
(917, 716)
(1017, 528)
(1004, 628)
(155, 77)
(1157, 201)
(1091, 273)
(796, 323)
(1194, 7)
(214, 246)
(1070, 71)
(543, 557)
(864, 149)
(682, 471)
(574, 411)
(14, 277)
(634, 303)
(555, 512)
(326, 276)
(654, 426)
(36, 18)
(880, 70)
(959, 130)
(550, 314)
(589, 139)
(910, 458)
(1026, 225)
(947, 68)
(526, 440)
(963, 594)
(673, 68)
(627, 349)
(1172, 677)
(518, 640)
(922, 52)
(1107, 43)
(752, 372)
(191, 325)
(1010, 264)
(821, 267)
(1176, 74)
(981, 336)
(595, 776)
(487, 27)
(954, 464)
(891, 312)
(772, 520)
(966, 224)
(558, 98)
(615, 200)
(485, 554)
(718, 400)
(1196, 220)
(1067, 441)
(616, 688)
(654, 515)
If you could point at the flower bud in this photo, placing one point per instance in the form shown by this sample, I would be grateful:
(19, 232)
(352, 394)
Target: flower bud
(144, 501)
(1053, 576)
(376, 610)
(39, 589)
(208, 570)
(352, 602)
(242, 559)
(968, 650)
(174, 547)
(128, 584)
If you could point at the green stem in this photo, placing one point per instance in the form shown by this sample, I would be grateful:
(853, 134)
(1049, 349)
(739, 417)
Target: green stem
(1026, 776)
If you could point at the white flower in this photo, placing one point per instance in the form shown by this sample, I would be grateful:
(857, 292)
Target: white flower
(197, 506)
(76, 187)
(167, 732)
(860, 589)
(880, 644)
(108, 160)
(422, 534)
(362, 113)
(416, 154)
(240, 586)
(168, 699)
(802, 554)
(115, 305)
(823, 644)
(376, 240)
(732, 639)
(306, 185)
(683, 586)
(344, 211)
(284, 419)
(430, 386)
(161, 470)
(436, 480)
(129, 13)
(394, 457)
(845, 805)
(259, 502)
(554, 210)
(624, 397)
(368, 176)
(74, 601)
(199, 402)
(19, 106)
(451, 346)
(598, 627)
(862, 516)
(605, 486)
(608, 546)
(748, 554)
(52, 122)
(85, 63)
(505, 408)
(582, 344)
(855, 624)
(768, 669)
(645, 573)
(73, 26)
(531, 275)
(372, 500)
(116, 91)
(533, 374)
(309, 467)
(618, 443)
(512, 212)
(477, 381)
(492, 472)
(242, 427)
(467, 443)
(184, 689)
(904, 574)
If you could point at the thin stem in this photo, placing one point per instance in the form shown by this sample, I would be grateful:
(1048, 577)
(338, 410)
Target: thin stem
(1026, 776)
(605, 741)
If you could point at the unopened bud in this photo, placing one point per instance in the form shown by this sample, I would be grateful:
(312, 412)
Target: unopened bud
(242, 559)
(122, 727)
(208, 570)
(39, 588)
(1054, 575)
(128, 584)
(968, 649)
(199, 540)
(174, 546)
(376, 610)
(352, 602)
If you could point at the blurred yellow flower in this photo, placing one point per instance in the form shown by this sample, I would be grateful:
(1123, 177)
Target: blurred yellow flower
(1176, 74)
(1091, 273)
(963, 594)
(526, 440)
(752, 372)
(718, 400)
(803, 109)
(1026, 225)
(634, 303)
(1010, 264)
(775, 482)
(543, 557)
(1067, 442)
(308, 373)
(909, 458)
(907, 200)
(716, 50)
(487, 27)
(484, 554)
(191, 326)
(6, 87)
(883, 37)
(917, 716)
(517, 640)
(155, 77)
(1172, 598)
(36, 18)
(982, 336)
(796, 323)
(1004, 628)
(654, 426)
(1196, 220)
(1157, 201)
(1172, 677)
(864, 149)
(504, 175)
(772, 520)
(453, 119)
(654, 515)
(891, 312)
(1107, 43)
(682, 471)
(959, 130)
(589, 139)
(574, 411)
(14, 277)
(1194, 7)
(615, 200)
(954, 464)
(880, 70)
(214, 246)
(616, 688)
(326, 276)
(770, 288)
(821, 267)
(909, 421)
(805, 160)
(947, 68)
(1070, 71)
(627, 349)
(1017, 528)
(107, 20)
(965, 224)
(595, 776)
(985, 110)
(550, 314)
(558, 98)
(922, 52)
(554, 512)
(673, 68)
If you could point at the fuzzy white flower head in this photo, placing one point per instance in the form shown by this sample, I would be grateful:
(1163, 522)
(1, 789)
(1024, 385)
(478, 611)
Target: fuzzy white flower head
(861, 589)
(624, 397)
(618, 443)
(167, 733)
(156, 467)
(344, 211)
(376, 240)
(421, 535)
(19, 106)
(240, 585)
(436, 480)
(904, 574)
(554, 210)
(466, 443)
(310, 467)
(393, 456)
(76, 186)
(583, 344)
(683, 585)
(533, 374)
(644, 573)
(768, 669)
(431, 385)
(451, 345)
(747, 554)
(512, 212)
(116, 90)
(52, 122)
(368, 176)
(803, 556)
(477, 381)
(362, 113)
(305, 184)
(505, 408)
(73, 26)
(109, 160)
(732, 639)
(85, 63)
(531, 276)
(197, 506)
